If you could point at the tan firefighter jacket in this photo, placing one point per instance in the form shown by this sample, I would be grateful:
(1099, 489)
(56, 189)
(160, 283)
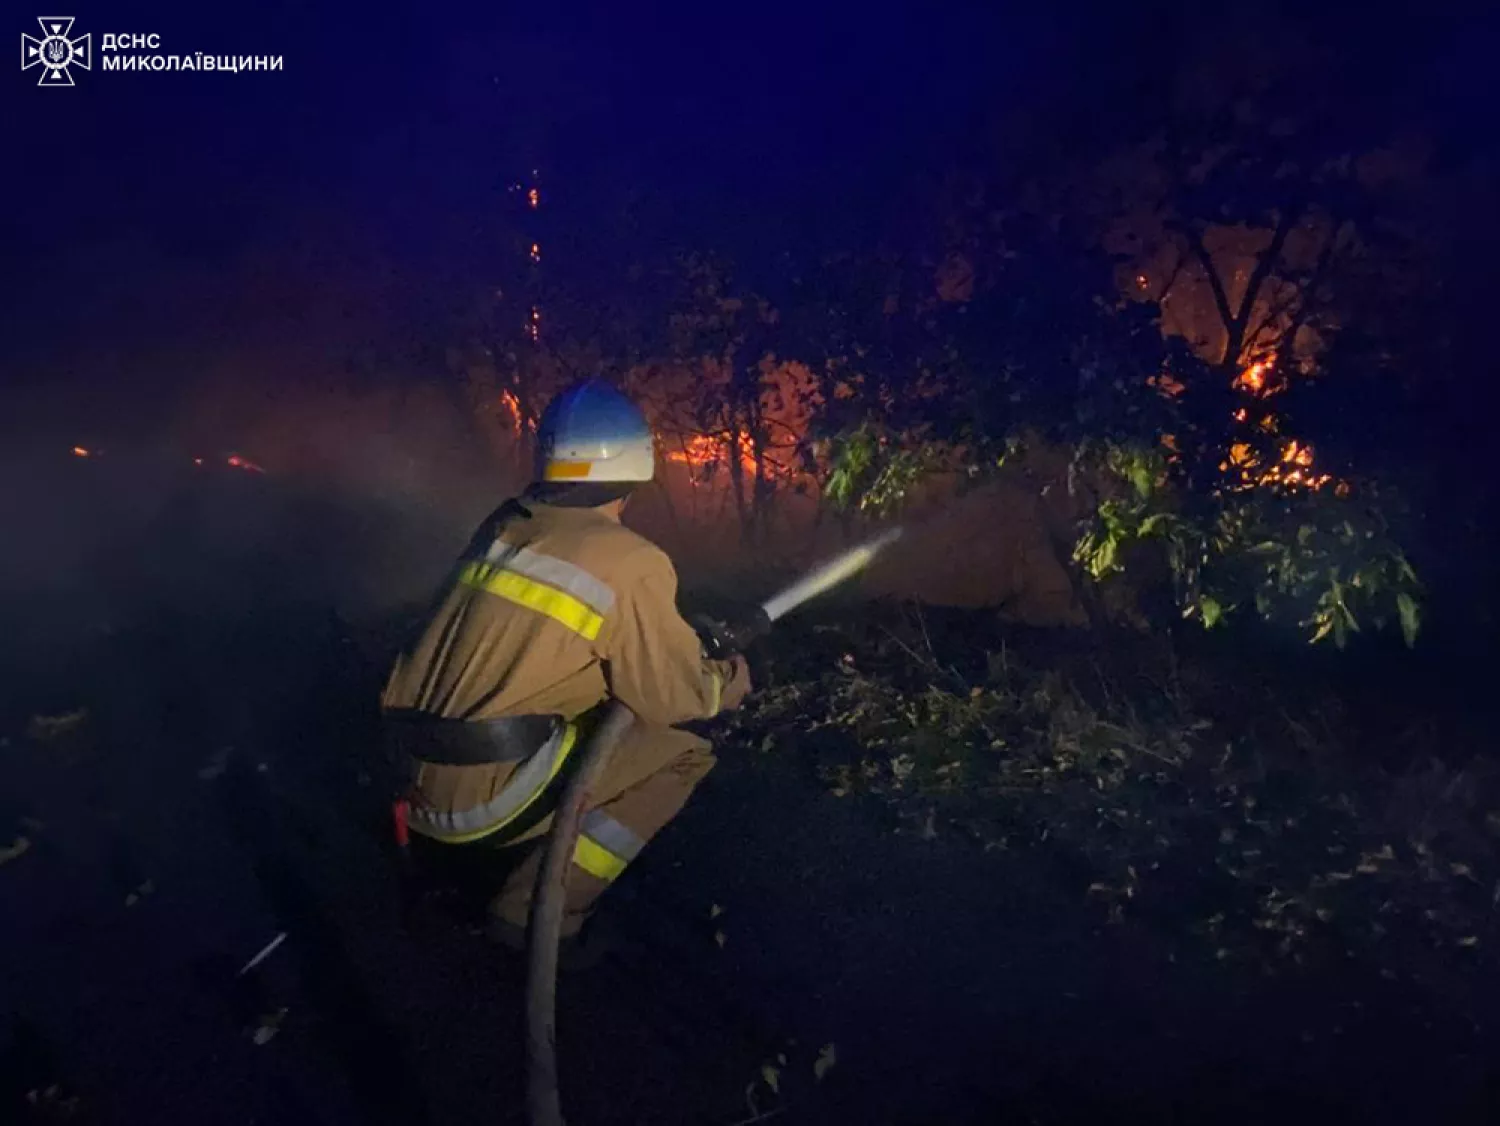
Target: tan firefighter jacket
(549, 612)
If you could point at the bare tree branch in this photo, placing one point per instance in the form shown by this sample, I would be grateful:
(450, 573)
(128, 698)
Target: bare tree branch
(1265, 262)
(1172, 277)
(1315, 281)
(1216, 283)
(1274, 312)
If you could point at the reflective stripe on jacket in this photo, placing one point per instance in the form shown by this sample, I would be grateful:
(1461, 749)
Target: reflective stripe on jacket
(548, 612)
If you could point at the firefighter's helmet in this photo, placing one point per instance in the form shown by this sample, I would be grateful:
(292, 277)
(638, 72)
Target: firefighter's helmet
(591, 433)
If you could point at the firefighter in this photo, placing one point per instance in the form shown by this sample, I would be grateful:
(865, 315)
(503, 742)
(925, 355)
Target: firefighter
(554, 608)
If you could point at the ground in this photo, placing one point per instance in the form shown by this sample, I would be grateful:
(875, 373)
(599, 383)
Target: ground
(218, 789)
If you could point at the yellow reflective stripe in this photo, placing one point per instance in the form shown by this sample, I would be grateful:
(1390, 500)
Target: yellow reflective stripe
(597, 860)
(718, 692)
(570, 736)
(567, 470)
(554, 572)
(560, 607)
(612, 836)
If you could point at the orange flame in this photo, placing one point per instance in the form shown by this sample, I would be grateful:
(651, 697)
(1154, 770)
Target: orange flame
(79, 451)
(512, 407)
(1294, 467)
(1253, 378)
(1297, 453)
(704, 450)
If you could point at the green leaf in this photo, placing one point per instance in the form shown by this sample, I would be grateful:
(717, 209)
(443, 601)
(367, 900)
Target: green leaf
(1152, 522)
(1411, 621)
(1140, 477)
(1211, 610)
(1104, 557)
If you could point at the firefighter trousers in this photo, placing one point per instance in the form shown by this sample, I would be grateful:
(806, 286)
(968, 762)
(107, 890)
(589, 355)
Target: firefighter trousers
(648, 780)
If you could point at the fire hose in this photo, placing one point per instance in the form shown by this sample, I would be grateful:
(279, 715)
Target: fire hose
(720, 640)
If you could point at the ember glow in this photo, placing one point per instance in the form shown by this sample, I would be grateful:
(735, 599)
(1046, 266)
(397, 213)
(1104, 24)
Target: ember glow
(511, 406)
(238, 462)
(1294, 468)
(1253, 378)
(79, 451)
(704, 451)
(1297, 454)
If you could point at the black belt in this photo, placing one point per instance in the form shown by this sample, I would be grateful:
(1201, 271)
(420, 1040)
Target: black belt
(465, 742)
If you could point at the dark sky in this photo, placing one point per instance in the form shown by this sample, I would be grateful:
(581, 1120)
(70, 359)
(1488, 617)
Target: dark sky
(396, 114)
(134, 203)
(142, 207)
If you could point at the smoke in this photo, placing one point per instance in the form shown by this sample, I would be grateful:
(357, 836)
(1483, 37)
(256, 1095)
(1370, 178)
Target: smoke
(311, 367)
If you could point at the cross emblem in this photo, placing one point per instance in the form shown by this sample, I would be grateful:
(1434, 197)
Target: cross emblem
(54, 52)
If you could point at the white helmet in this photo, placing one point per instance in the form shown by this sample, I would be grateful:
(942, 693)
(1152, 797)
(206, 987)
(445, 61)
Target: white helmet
(591, 433)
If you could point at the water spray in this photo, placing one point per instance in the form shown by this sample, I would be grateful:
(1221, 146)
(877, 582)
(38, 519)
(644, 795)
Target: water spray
(720, 640)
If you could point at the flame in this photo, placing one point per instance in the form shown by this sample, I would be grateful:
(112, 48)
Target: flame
(1294, 466)
(534, 198)
(1293, 469)
(512, 406)
(1253, 378)
(536, 252)
(1297, 453)
(1261, 378)
(704, 450)
(79, 451)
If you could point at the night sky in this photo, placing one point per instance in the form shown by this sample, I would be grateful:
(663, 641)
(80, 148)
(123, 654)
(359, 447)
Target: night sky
(157, 219)
(140, 209)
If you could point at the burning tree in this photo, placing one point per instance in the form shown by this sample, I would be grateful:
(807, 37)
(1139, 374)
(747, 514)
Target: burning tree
(749, 411)
(697, 355)
(1043, 354)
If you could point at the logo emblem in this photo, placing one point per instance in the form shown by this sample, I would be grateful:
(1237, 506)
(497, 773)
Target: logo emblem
(54, 52)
